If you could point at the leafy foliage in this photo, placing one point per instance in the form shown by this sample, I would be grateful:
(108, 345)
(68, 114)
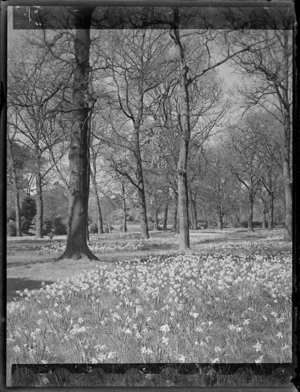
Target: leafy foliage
(25, 224)
(28, 207)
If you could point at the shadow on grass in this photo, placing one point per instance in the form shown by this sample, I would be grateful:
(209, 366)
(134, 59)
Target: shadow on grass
(14, 284)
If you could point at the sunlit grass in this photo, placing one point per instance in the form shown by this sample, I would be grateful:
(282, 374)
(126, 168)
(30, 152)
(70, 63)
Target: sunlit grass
(213, 307)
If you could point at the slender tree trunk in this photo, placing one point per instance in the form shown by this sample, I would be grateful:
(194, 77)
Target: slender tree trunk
(99, 212)
(124, 224)
(250, 212)
(165, 220)
(184, 239)
(15, 190)
(271, 213)
(142, 206)
(39, 206)
(287, 180)
(79, 146)
(140, 179)
(287, 176)
(156, 226)
(220, 218)
(184, 117)
(108, 224)
(263, 222)
(175, 217)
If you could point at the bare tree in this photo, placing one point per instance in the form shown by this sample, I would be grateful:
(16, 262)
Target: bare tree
(33, 94)
(137, 67)
(270, 67)
(247, 161)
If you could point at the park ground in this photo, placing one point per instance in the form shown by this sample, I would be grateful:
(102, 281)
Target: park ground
(227, 301)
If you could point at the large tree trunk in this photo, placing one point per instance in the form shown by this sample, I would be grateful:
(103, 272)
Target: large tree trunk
(39, 206)
(15, 190)
(79, 147)
(184, 117)
(250, 212)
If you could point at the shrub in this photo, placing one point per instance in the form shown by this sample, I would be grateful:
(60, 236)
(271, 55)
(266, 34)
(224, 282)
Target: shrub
(59, 228)
(25, 224)
(94, 228)
(28, 207)
(11, 229)
(47, 226)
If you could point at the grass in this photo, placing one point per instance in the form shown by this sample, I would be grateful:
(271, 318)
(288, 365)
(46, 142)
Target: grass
(227, 302)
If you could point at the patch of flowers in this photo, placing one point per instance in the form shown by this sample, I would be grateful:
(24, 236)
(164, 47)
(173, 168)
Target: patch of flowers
(214, 307)
(208, 242)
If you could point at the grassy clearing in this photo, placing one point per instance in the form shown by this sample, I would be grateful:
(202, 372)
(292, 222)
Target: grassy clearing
(230, 303)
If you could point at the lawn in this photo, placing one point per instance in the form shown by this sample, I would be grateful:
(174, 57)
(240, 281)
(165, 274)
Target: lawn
(227, 301)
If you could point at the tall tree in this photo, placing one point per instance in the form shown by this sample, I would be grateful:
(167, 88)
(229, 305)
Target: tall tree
(247, 161)
(137, 67)
(33, 94)
(79, 144)
(194, 54)
(270, 67)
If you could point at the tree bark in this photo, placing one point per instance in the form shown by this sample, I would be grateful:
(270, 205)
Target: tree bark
(124, 224)
(271, 213)
(250, 212)
(287, 178)
(165, 220)
(287, 144)
(39, 205)
(175, 217)
(139, 175)
(15, 190)
(79, 146)
(99, 212)
(193, 210)
(220, 218)
(184, 117)
(263, 222)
